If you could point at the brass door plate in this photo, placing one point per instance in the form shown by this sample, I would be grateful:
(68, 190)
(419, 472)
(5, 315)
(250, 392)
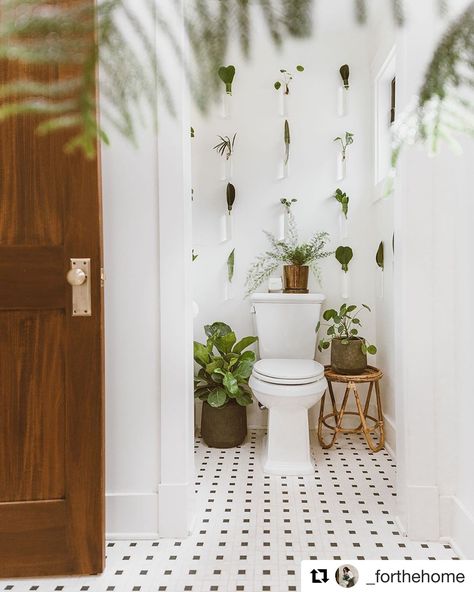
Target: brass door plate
(81, 293)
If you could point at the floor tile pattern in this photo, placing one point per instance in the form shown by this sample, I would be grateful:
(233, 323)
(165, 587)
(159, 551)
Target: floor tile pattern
(253, 530)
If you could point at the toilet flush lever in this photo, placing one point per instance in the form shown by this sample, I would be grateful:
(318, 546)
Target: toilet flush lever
(79, 277)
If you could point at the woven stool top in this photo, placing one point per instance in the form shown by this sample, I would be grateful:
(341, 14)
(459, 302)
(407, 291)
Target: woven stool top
(370, 374)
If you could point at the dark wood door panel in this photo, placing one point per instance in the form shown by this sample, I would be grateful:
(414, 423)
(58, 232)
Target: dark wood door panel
(32, 418)
(34, 539)
(32, 278)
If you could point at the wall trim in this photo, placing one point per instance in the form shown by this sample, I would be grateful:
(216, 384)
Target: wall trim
(131, 516)
(390, 436)
(457, 525)
(176, 509)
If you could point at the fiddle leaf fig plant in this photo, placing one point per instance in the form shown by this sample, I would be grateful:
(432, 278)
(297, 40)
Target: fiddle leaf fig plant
(286, 78)
(230, 193)
(224, 367)
(344, 324)
(344, 256)
(344, 72)
(226, 146)
(343, 199)
(346, 141)
(227, 74)
(379, 257)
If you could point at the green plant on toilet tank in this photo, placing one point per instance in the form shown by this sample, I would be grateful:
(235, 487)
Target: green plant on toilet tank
(290, 252)
(221, 382)
(348, 349)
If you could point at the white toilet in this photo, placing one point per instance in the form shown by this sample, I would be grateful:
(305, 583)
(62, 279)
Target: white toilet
(287, 380)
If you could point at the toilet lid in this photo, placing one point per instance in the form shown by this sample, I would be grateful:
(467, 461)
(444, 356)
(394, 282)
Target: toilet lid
(288, 371)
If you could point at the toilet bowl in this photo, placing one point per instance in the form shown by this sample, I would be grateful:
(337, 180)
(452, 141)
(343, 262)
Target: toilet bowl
(287, 380)
(288, 388)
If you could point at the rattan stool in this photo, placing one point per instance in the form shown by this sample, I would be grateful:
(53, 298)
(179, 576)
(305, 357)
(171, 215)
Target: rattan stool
(371, 376)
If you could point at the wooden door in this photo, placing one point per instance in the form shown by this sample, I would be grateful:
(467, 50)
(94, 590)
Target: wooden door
(51, 374)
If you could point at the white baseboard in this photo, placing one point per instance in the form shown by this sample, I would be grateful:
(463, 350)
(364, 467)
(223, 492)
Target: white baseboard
(176, 510)
(457, 525)
(131, 516)
(390, 436)
(423, 522)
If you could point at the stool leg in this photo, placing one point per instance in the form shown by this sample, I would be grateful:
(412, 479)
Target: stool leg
(333, 400)
(338, 417)
(374, 447)
(380, 413)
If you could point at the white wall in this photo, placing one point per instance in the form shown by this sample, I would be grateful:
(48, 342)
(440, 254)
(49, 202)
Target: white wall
(314, 123)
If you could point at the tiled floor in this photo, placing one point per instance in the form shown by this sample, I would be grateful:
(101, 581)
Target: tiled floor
(252, 530)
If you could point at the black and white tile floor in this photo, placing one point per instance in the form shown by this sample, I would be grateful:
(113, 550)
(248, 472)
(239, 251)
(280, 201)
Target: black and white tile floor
(252, 530)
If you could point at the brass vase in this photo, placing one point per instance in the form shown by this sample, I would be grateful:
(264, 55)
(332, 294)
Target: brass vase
(295, 279)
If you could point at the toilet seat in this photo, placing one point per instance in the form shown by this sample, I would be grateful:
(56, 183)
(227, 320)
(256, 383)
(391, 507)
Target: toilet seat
(288, 371)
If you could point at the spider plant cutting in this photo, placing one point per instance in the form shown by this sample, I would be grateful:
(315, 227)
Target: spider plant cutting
(343, 199)
(221, 382)
(227, 74)
(286, 78)
(344, 72)
(226, 146)
(297, 259)
(348, 349)
(287, 139)
(345, 142)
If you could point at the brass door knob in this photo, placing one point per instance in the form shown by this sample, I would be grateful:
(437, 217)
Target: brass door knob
(76, 277)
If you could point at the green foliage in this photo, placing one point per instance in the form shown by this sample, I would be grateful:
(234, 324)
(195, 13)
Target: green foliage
(344, 256)
(343, 199)
(379, 257)
(287, 203)
(226, 146)
(288, 251)
(230, 265)
(286, 78)
(345, 142)
(193, 133)
(230, 195)
(344, 324)
(287, 141)
(195, 256)
(226, 74)
(344, 72)
(225, 367)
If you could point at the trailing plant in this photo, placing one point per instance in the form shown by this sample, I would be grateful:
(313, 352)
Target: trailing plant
(226, 146)
(287, 203)
(288, 251)
(379, 257)
(230, 194)
(343, 199)
(287, 139)
(345, 325)
(344, 72)
(230, 265)
(226, 74)
(225, 367)
(344, 256)
(286, 78)
(345, 142)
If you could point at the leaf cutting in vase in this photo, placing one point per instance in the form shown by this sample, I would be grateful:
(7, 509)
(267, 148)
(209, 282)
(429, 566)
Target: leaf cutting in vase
(230, 265)
(286, 78)
(343, 199)
(344, 72)
(379, 257)
(227, 74)
(230, 193)
(226, 146)
(345, 142)
(344, 256)
(287, 141)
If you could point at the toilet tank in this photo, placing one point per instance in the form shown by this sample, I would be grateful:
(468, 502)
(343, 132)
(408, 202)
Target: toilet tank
(286, 324)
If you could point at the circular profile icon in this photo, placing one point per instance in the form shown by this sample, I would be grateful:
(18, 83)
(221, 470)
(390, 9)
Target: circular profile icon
(347, 576)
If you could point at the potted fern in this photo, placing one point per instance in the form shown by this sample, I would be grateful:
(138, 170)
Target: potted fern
(221, 382)
(297, 260)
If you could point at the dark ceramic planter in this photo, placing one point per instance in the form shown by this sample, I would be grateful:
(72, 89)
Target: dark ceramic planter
(224, 427)
(295, 279)
(348, 358)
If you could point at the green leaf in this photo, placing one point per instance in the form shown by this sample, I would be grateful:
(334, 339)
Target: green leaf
(364, 347)
(365, 306)
(215, 365)
(331, 330)
(230, 196)
(226, 74)
(218, 376)
(372, 350)
(300, 68)
(244, 343)
(230, 265)
(354, 332)
(329, 314)
(230, 383)
(217, 397)
(318, 326)
(356, 321)
(344, 256)
(243, 398)
(201, 354)
(248, 356)
(379, 257)
(224, 344)
(326, 344)
(217, 329)
(243, 371)
(351, 308)
(277, 85)
(287, 132)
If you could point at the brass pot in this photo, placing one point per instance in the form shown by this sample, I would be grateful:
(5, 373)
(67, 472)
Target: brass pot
(295, 279)
(348, 358)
